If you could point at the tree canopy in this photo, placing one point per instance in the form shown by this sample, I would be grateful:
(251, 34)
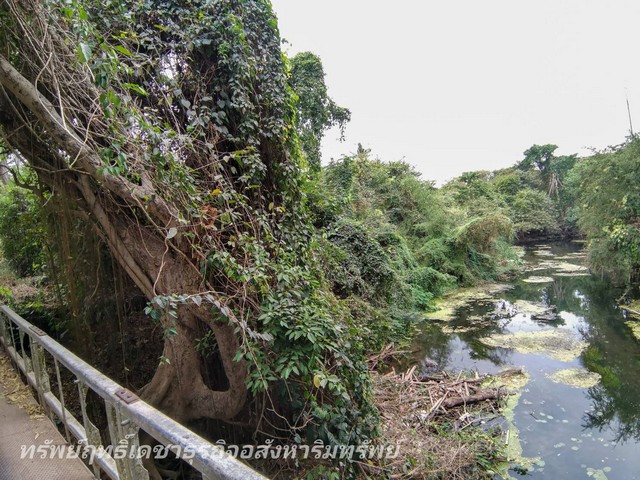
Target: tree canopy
(316, 110)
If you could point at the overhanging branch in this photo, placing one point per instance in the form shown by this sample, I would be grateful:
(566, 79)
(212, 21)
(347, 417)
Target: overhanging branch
(66, 139)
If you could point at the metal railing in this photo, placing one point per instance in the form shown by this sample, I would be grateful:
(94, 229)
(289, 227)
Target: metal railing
(28, 347)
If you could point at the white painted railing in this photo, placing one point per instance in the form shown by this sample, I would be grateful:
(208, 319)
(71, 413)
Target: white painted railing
(29, 346)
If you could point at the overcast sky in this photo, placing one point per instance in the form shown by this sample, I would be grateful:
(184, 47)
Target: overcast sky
(453, 86)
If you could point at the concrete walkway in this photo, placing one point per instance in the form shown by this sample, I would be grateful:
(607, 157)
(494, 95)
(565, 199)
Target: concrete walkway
(21, 423)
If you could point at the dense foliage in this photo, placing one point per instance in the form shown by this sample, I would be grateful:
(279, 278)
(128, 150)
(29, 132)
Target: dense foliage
(169, 130)
(606, 191)
(394, 242)
(174, 145)
(551, 197)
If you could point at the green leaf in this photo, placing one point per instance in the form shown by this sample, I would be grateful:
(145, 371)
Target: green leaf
(123, 50)
(173, 231)
(225, 218)
(84, 52)
(136, 88)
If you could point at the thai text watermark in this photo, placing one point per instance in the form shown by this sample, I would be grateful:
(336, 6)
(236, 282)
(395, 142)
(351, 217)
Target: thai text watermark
(126, 450)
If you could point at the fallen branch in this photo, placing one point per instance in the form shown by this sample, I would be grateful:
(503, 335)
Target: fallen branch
(466, 400)
(505, 373)
(386, 355)
(509, 372)
(631, 310)
(415, 406)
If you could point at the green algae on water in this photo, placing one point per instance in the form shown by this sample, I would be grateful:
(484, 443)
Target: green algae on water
(597, 474)
(513, 445)
(514, 381)
(635, 328)
(531, 308)
(557, 344)
(575, 377)
(537, 279)
(457, 329)
(450, 303)
(560, 268)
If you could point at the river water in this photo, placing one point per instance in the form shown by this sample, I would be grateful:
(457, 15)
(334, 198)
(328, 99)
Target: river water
(588, 428)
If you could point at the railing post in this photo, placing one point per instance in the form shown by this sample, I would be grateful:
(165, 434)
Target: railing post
(61, 398)
(28, 367)
(39, 365)
(3, 327)
(92, 432)
(11, 341)
(124, 434)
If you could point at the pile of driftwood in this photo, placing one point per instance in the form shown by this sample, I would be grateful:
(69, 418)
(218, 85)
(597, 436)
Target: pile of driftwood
(428, 396)
(442, 391)
(416, 409)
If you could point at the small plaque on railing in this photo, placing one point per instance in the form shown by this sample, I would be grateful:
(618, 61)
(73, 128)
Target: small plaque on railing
(126, 396)
(37, 331)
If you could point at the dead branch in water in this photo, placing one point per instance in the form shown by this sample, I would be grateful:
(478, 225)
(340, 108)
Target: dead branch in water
(478, 397)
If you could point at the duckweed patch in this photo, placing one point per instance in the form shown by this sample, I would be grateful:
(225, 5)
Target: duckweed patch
(512, 382)
(575, 377)
(597, 474)
(566, 267)
(448, 306)
(531, 308)
(513, 448)
(560, 268)
(537, 279)
(635, 328)
(457, 329)
(557, 344)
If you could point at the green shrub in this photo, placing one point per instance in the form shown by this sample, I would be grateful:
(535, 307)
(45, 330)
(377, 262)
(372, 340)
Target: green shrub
(360, 265)
(481, 233)
(509, 184)
(607, 203)
(532, 211)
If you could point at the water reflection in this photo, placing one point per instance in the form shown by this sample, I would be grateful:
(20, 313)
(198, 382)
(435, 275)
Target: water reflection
(607, 415)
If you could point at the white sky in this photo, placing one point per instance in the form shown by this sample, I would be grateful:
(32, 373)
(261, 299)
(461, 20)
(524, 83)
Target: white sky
(453, 86)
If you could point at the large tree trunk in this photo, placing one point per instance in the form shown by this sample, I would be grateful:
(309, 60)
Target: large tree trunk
(178, 386)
